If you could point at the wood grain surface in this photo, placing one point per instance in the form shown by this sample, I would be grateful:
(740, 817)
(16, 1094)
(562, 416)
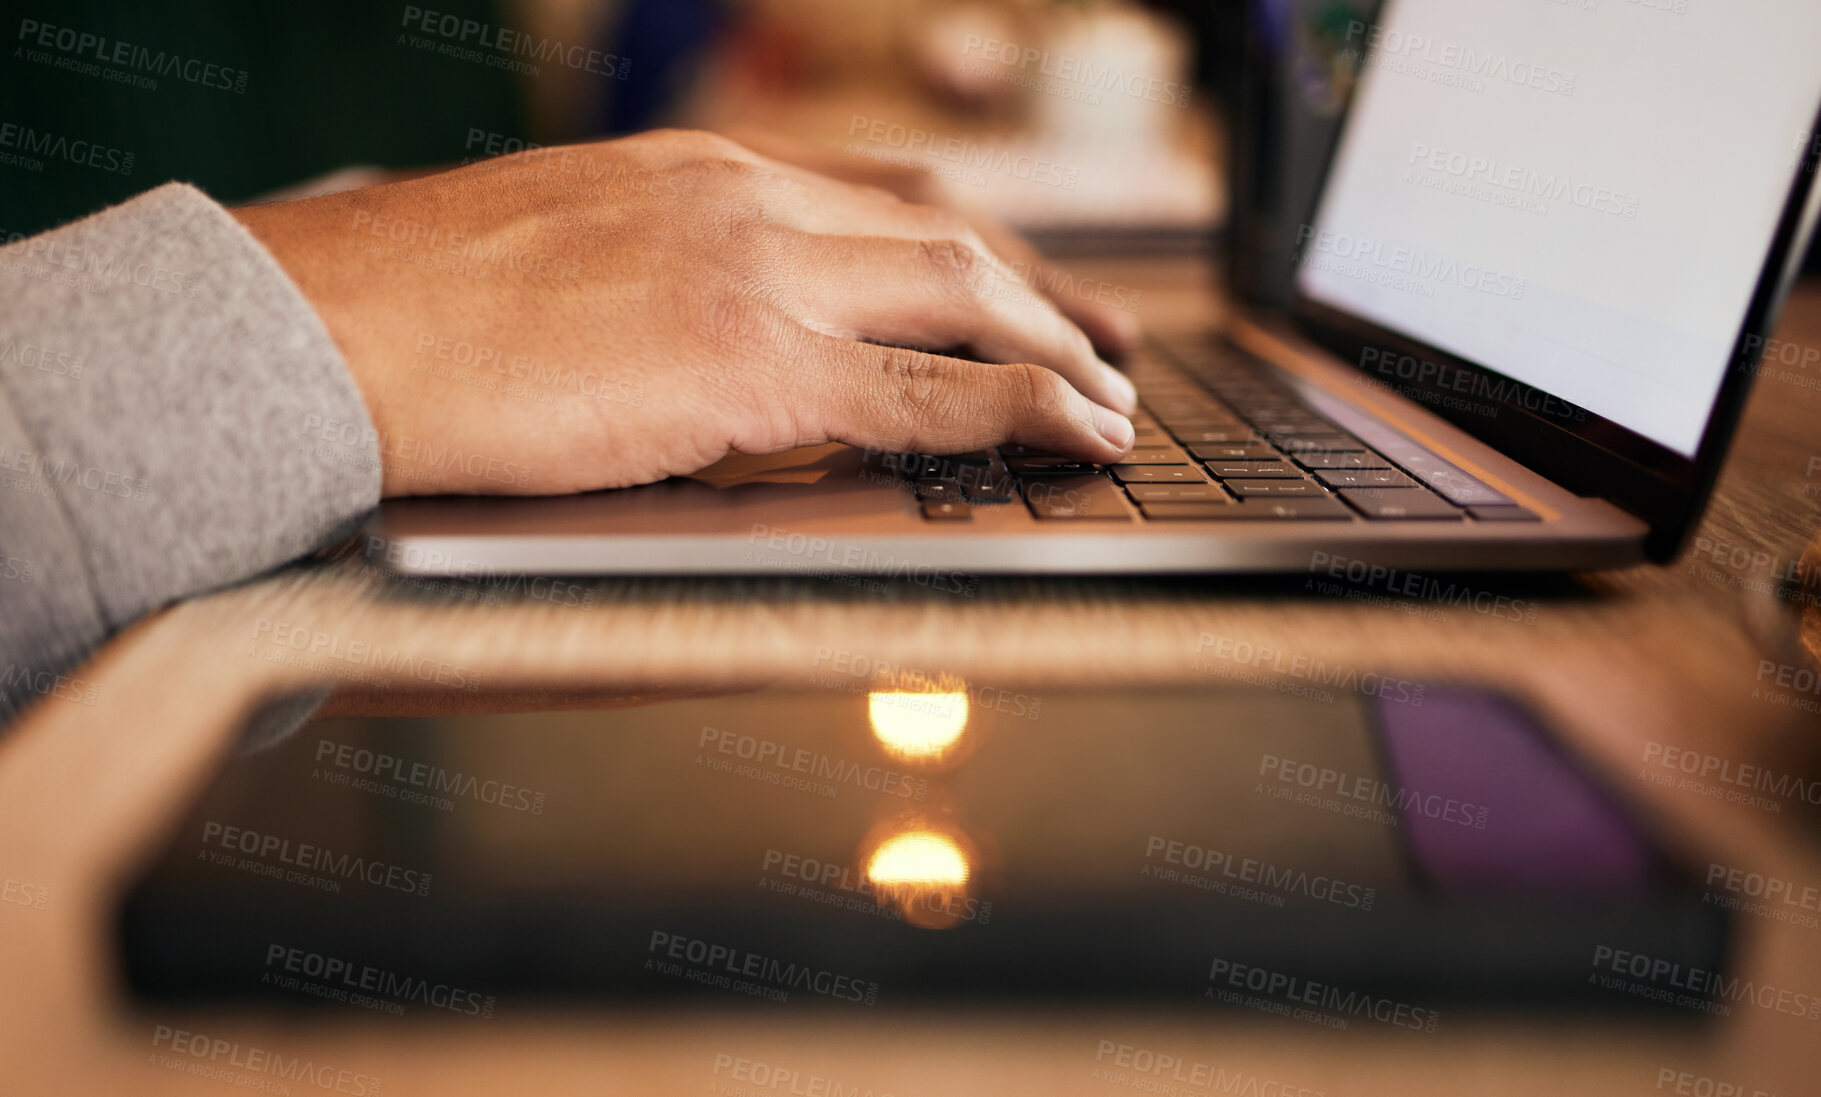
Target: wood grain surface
(1619, 660)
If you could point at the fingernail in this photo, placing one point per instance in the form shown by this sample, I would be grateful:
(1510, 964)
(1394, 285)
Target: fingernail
(1114, 427)
(1125, 397)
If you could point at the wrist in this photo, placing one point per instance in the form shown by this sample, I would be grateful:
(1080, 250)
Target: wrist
(295, 242)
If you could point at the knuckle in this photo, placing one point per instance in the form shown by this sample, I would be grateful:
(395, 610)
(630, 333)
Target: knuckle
(1039, 389)
(916, 381)
(735, 323)
(750, 378)
(710, 160)
(729, 172)
(748, 235)
(954, 263)
(761, 239)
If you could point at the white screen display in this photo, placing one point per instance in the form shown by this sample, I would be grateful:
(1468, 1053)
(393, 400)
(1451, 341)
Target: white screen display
(1579, 194)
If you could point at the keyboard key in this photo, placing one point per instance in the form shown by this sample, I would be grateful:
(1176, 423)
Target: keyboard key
(1290, 421)
(1317, 443)
(1049, 466)
(1156, 474)
(973, 457)
(948, 512)
(1329, 460)
(1156, 455)
(938, 491)
(1177, 512)
(1235, 451)
(986, 483)
(1162, 403)
(1199, 422)
(1232, 434)
(1295, 428)
(1456, 486)
(1077, 497)
(1312, 508)
(1451, 482)
(920, 466)
(1254, 470)
(1178, 493)
(1255, 412)
(1406, 504)
(1513, 513)
(1247, 489)
(1365, 478)
(1207, 417)
(1189, 412)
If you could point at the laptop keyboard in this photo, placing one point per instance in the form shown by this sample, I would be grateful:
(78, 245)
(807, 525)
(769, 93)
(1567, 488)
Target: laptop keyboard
(1226, 442)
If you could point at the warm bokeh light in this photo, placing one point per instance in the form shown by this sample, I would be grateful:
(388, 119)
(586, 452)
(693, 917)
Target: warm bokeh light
(924, 873)
(917, 725)
(918, 859)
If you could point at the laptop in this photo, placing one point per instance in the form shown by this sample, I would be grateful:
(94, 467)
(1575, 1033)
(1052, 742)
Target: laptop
(1543, 263)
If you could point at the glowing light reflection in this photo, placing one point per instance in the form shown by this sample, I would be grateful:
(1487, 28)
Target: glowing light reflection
(918, 859)
(916, 725)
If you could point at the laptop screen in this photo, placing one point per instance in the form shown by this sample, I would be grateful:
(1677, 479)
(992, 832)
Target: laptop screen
(1579, 195)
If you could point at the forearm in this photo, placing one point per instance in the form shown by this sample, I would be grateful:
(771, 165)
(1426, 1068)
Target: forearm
(173, 418)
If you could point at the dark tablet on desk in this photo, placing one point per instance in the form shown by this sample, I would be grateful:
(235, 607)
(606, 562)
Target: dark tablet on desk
(1376, 853)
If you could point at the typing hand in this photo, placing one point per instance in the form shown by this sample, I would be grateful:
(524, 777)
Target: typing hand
(603, 315)
(1113, 328)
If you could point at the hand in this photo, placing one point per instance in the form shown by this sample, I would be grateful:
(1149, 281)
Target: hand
(1114, 331)
(611, 314)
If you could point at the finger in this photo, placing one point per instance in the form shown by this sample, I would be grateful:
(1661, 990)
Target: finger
(1113, 329)
(817, 204)
(895, 399)
(946, 293)
(1105, 313)
(814, 203)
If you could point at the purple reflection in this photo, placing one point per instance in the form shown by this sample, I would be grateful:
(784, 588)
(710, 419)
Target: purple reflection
(1489, 806)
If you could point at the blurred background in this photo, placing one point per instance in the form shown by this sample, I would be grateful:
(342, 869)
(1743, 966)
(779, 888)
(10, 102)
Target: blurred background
(1090, 125)
(1057, 114)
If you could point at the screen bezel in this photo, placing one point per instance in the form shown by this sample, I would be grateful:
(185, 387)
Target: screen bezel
(1595, 456)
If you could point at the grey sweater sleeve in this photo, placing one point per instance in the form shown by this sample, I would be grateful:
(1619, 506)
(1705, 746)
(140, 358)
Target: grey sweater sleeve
(173, 418)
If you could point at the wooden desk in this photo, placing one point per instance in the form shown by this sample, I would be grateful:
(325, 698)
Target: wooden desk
(1617, 661)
